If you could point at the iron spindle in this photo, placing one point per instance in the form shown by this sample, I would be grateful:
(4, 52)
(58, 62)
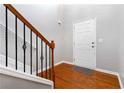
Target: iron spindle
(36, 55)
(24, 47)
(41, 58)
(49, 64)
(46, 58)
(31, 52)
(16, 42)
(6, 35)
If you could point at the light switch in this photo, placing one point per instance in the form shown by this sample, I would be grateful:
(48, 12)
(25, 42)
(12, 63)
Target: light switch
(100, 40)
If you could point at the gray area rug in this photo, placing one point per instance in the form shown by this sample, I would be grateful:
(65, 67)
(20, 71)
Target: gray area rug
(84, 70)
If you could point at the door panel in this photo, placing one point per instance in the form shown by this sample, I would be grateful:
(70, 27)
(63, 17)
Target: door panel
(84, 44)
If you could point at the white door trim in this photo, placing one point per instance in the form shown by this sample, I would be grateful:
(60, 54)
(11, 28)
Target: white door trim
(74, 37)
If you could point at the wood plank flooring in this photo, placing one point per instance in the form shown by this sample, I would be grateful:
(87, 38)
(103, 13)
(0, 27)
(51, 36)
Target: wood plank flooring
(73, 77)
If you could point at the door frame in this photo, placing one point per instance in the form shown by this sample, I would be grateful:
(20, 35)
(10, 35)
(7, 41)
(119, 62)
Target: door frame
(74, 39)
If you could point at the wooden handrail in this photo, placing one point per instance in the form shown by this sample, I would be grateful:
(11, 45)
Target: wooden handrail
(27, 23)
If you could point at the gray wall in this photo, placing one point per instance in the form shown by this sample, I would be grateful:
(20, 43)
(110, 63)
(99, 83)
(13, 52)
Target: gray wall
(108, 23)
(9, 82)
(121, 48)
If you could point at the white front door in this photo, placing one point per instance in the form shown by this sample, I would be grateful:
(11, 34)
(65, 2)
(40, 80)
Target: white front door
(85, 44)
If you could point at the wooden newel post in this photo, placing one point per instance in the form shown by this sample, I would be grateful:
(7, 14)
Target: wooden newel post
(53, 73)
(52, 44)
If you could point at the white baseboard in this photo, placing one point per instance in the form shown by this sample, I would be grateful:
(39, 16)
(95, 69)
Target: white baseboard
(39, 70)
(97, 69)
(120, 81)
(106, 71)
(64, 62)
(55, 65)
(112, 72)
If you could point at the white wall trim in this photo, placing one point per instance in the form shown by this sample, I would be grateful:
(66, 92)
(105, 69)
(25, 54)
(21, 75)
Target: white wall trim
(111, 72)
(11, 63)
(120, 81)
(97, 69)
(64, 62)
(106, 71)
(18, 74)
(39, 70)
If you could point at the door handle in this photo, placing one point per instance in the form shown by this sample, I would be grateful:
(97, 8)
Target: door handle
(93, 43)
(93, 46)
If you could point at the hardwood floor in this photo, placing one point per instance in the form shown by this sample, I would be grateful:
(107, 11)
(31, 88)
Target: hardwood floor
(73, 77)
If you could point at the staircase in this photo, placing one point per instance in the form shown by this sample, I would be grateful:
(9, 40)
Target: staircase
(46, 48)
